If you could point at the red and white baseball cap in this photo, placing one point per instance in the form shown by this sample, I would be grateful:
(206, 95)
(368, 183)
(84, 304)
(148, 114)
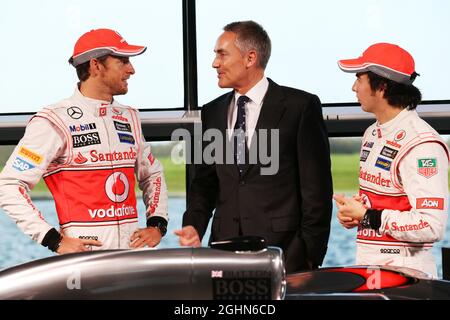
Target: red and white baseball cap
(386, 60)
(100, 42)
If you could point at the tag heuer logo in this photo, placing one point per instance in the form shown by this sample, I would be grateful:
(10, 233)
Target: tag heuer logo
(427, 167)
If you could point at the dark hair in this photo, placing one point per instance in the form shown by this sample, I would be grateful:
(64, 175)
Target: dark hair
(83, 69)
(397, 94)
(251, 36)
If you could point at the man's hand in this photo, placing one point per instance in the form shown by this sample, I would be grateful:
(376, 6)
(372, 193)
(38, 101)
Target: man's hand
(71, 245)
(350, 210)
(188, 236)
(150, 236)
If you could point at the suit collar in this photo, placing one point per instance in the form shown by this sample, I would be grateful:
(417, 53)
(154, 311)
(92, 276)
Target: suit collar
(272, 109)
(222, 111)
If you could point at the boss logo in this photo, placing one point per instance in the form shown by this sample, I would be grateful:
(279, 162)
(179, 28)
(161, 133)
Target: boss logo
(244, 284)
(259, 288)
(88, 139)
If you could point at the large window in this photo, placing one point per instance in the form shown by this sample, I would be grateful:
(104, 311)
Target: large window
(308, 37)
(38, 39)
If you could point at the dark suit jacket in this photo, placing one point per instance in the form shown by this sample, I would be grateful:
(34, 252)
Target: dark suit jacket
(292, 208)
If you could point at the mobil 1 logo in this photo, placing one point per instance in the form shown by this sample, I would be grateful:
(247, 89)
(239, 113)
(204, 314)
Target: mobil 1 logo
(87, 139)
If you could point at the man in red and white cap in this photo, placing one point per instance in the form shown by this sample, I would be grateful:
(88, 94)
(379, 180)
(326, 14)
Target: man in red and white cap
(89, 148)
(401, 209)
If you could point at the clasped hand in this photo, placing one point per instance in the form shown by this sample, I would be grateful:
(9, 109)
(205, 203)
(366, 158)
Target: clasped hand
(350, 210)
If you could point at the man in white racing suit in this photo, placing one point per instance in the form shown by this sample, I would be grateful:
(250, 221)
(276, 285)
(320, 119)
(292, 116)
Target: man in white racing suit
(401, 209)
(88, 148)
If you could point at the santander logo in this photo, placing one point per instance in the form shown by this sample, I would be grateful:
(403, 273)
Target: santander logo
(117, 187)
(80, 159)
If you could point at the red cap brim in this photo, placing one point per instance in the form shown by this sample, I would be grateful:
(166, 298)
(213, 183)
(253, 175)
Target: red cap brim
(353, 65)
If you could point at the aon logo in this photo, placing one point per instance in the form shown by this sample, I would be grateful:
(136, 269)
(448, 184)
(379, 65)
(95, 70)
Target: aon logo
(430, 203)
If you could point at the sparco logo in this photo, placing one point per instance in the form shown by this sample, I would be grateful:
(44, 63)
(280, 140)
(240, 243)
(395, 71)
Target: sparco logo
(117, 187)
(75, 112)
(390, 251)
(82, 140)
(82, 127)
(88, 237)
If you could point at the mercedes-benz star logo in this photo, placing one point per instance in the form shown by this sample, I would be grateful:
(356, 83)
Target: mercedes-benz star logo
(75, 112)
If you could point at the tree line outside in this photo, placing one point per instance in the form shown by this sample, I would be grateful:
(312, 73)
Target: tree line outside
(344, 159)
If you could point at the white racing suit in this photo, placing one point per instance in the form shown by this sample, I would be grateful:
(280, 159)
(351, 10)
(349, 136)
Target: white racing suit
(403, 172)
(88, 152)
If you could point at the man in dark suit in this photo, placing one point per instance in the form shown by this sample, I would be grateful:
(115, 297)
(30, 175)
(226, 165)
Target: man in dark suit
(290, 206)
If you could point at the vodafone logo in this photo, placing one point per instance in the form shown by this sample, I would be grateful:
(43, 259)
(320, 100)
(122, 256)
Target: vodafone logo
(365, 200)
(400, 135)
(368, 233)
(117, 187)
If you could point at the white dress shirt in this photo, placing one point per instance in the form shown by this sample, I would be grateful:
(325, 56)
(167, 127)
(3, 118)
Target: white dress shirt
(252, 109)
